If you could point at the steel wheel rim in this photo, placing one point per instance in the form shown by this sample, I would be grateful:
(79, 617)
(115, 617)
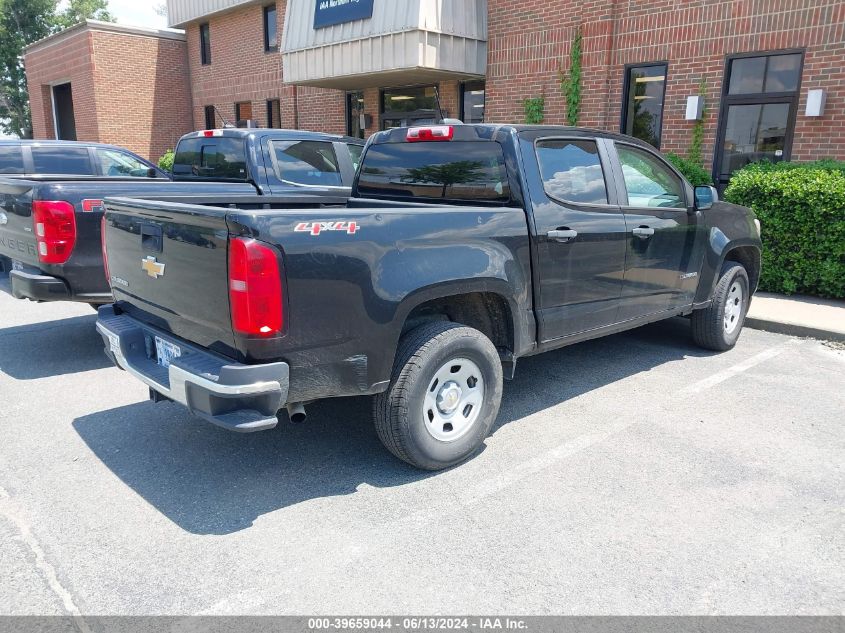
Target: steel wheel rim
(733, 308)
(453, 400)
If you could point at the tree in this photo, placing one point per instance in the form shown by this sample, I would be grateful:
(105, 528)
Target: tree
(80, 10)
(23, 22)
(447, 174)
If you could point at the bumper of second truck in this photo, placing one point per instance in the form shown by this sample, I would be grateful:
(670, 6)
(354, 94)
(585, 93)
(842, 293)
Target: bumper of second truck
(31, 283)
(243, 398)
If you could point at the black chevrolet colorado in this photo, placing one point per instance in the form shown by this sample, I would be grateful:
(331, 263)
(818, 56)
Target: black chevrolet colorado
(462, 249)
(50, 224)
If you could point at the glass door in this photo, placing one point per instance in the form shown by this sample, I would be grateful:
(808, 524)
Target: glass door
(758, 112)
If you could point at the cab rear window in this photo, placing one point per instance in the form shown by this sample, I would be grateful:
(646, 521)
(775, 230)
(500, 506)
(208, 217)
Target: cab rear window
(11, 159)
(459, 170)
(215, 158)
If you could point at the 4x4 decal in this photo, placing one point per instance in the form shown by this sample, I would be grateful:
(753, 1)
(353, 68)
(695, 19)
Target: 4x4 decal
(315, 228)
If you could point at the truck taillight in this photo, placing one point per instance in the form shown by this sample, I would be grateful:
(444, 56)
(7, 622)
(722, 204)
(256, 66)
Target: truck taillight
(430, 133)
(255, 289)
(55, 230)
(103, 246)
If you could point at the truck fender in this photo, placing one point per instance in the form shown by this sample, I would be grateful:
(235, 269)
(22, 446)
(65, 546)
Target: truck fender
(720, 248)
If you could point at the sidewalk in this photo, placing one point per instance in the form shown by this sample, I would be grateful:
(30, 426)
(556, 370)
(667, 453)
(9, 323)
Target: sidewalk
(798, 316)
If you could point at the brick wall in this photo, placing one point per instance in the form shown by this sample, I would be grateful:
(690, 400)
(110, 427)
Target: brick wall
(241, 70)
(128, 90)
(529, 45)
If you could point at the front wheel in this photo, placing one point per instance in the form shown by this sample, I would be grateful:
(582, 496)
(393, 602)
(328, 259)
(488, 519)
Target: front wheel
(443, 397)
(718, 326)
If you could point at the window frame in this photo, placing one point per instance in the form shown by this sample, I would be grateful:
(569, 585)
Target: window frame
(462, 107)
(205, 43)
(279, 172)
(270, 103)
(626, 86)
(622, 190)
(606, 168)
(211, 111)
(264, 13)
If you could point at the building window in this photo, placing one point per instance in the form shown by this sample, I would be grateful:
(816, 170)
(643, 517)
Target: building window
(271, 42)
(243, 111)
(274, 113)
(642, 114)
(205, 44)
(210, 117)
(472, 102)
(403, 107)
(354, 113)
(758, 110)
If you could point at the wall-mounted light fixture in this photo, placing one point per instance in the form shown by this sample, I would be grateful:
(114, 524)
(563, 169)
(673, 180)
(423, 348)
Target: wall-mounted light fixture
(695, 108)
(815, 102)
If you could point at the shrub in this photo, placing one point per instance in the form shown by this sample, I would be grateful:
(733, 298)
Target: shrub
(802, 210)
(166, 161)
(693, 171)
(534, 110)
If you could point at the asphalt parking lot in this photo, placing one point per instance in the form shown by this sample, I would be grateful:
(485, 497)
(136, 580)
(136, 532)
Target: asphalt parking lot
(635, 474)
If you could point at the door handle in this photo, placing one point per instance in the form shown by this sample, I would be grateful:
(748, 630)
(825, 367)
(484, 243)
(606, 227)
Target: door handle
(643, 232)
(562, 235)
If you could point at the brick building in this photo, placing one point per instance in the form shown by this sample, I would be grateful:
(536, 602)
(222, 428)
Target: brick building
(112, 84)
(358, 67)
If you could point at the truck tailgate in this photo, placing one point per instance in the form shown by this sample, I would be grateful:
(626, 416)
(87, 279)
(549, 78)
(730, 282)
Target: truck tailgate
(169, 262)
(17, 240)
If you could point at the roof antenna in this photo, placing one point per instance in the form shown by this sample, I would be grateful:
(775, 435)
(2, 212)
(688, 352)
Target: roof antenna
(437, 105)
(226, 124)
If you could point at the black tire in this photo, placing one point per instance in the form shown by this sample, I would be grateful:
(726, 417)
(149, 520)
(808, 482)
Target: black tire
(399, 412)
(709, 328)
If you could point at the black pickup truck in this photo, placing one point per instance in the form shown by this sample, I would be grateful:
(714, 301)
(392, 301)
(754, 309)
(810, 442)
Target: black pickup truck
(50, 224)
(462, 249)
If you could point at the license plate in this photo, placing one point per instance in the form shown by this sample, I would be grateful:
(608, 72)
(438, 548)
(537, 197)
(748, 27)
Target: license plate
(166, 352)
(16, 265)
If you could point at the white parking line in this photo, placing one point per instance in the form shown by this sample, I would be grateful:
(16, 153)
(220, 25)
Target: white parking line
(730, 372)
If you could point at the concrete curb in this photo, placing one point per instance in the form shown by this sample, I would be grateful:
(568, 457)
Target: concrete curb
(794, 329)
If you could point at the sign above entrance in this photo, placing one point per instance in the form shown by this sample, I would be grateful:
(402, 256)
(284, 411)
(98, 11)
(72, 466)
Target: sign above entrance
(329, 12)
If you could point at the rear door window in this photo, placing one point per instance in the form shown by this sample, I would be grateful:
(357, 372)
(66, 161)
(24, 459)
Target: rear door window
(571, 170)
(11, 159)
(116, 163)
(459, 170)
(216, 158)
(306, 163)
(355, 152)
(63, 160)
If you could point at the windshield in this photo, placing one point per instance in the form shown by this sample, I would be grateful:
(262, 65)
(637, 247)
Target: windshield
(216, 158)
(473, 170)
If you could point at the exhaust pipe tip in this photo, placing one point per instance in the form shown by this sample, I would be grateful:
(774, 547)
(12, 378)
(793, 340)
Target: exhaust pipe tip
(296, 413)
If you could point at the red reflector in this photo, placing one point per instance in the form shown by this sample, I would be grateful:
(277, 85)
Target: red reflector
(255, 289)
(432, 133)
(105, 251)
(55, 230)
(89, 206)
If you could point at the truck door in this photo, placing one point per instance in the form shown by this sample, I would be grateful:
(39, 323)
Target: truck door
(664, 248)
(580, 233)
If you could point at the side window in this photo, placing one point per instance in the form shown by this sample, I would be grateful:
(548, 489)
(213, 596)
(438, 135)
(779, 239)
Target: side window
(71, 161)
(306, 163)
(571, 171)
(649, 182)
(114, 163)
(355, 152)
(11, 159)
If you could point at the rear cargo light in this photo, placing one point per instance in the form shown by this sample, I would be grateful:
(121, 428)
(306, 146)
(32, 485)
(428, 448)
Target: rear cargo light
(210, 133)
(431, 133)
(103, 246)
(255, 289)
(55, 230)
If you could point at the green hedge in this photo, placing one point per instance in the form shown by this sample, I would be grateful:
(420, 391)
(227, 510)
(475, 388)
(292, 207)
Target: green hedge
(693, 171)
(166, 161)
(802, 210)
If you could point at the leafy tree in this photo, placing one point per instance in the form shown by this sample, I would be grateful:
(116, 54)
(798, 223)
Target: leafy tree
(448, 174)
(23, 22)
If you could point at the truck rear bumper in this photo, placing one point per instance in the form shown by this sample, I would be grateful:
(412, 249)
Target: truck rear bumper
(243, 398)
(38, 287)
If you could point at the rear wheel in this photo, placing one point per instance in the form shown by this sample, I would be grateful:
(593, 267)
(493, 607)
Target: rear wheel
(443, 397)
(718, 326)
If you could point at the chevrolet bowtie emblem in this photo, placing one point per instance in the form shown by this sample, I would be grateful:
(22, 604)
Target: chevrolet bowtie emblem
(153, 268)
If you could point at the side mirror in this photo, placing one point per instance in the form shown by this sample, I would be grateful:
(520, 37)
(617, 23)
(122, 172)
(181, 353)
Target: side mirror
(705, 197)
(152, 173)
